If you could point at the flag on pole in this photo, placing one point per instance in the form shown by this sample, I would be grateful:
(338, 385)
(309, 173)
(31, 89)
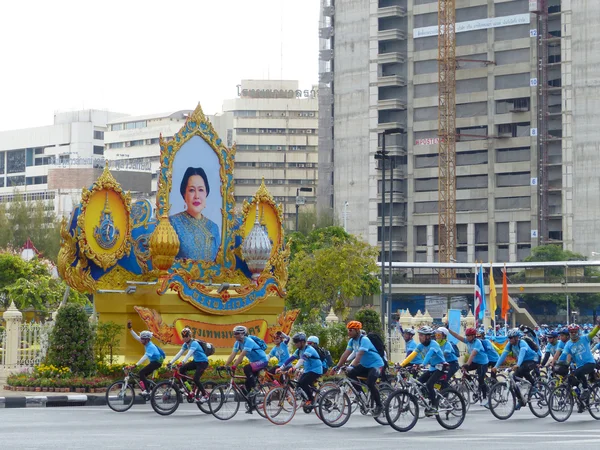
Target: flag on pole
(504, 294)
(493, 304)
(482, 291)
(477, 296)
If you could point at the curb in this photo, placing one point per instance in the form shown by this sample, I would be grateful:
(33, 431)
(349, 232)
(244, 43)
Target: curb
(41, 401)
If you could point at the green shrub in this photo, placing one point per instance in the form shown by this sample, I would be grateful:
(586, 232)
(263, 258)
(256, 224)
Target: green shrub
(370, 319)
(333, 337)
(107, 340)
(72, 341)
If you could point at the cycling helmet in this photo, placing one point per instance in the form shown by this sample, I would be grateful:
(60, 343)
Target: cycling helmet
(186, 332)
(481, 333)
(564, 331)
(299, 337)
(426, 330)
(442, 330)
(410, 331)
(354, 325)
(515, 332)
(240, 329)
(146, 334)
(573, 328)
(552, 334)
(470, 332)
(313, 339)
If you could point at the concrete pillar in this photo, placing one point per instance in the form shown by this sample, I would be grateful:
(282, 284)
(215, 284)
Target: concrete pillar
(430, 244)
(13, 318)
(512, 241)
(470, 242)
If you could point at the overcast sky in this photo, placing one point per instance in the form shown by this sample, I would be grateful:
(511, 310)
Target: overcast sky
(149, 56)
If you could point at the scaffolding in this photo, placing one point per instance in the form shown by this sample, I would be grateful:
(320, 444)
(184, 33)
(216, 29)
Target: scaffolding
(447, 134)
(543, 117)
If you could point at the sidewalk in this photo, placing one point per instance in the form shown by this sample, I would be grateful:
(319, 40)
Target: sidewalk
(13, 399)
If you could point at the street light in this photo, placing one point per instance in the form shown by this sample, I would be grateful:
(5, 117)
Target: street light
(300, 201)
(382, 155)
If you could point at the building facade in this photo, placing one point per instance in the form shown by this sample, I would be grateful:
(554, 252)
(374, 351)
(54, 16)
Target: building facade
(53, 163)
(274, 125)
(524, 177)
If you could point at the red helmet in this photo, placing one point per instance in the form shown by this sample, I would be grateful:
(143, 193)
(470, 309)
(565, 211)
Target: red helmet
(354, 325)
(573, 328)
(471, 331)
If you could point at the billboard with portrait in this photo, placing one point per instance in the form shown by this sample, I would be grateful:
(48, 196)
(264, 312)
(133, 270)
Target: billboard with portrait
(196, 200)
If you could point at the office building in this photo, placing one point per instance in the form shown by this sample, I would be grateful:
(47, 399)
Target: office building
(526, 152)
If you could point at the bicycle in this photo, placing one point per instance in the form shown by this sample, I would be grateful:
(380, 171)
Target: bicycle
(120, 395)
(468, 386)
(504, 394)
(282, 402)
(451, 410)
(224, 400)
(167, 395)
(563, 398)
(335, 405)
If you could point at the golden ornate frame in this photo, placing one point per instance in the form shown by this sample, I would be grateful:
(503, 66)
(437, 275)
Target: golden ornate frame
(105, 260)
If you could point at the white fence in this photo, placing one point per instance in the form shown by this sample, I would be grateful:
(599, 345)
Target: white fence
(34, 343)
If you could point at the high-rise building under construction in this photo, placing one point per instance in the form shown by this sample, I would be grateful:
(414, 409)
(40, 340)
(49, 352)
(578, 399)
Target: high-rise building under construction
(527, 93)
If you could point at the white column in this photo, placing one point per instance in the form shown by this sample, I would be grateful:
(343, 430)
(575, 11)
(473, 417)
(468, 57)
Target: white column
(13, 318)
(512, 241)
(430, 244)
(471, 242)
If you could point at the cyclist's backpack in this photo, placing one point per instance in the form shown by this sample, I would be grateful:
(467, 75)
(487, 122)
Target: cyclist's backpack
(532, 345)
(207, 347)
(261, 344)
(162, 353)
(324, 355)
(378, 344)
(455, 349)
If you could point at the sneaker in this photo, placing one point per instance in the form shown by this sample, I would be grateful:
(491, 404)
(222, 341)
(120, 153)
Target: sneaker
(377, 411)
(202, 398)
(144, 393)
(518, 406)
(249, 410)
(430, 411)
(485, 403)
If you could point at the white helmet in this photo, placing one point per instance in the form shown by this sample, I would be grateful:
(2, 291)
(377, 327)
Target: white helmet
(313, 339)
(442, 330)
(146, 334)
(240, 329)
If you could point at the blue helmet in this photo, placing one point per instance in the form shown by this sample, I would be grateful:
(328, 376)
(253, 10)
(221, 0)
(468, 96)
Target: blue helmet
(564, 331)
(515, 332)
(552, 334)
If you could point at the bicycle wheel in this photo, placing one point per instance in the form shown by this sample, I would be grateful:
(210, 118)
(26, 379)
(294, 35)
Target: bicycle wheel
(502, 401)
(451, 409)
(384, 392)
(119, 396)
(334, 408)
(259, 398)
(224, 402)
(280, 405)
(401, 410)
(165, 398)
(594, 401)
(561, 403)
(538, 400)
(463, 390)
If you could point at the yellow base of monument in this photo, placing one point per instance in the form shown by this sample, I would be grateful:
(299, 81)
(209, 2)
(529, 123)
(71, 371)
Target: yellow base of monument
(165, 315)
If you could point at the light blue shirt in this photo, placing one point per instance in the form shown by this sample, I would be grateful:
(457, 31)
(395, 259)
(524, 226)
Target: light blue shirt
(433, 354)
(522, 352)
(370, 357)
(199, 355)
(551, 348)
(411, 346)
(312, 361)
(490, 350)
(481, 356)
(253, 351)
(281, 352)
(152, 353)
(448, 352)
(580, 351)
(563, 355)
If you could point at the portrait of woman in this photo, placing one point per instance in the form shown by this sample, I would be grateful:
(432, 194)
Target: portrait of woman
(199, 237)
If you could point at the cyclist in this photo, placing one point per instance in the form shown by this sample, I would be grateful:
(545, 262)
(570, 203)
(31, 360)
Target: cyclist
(199, 363)
(478, 360)
(578, 349)
(490, 350)
(280, 351)
(313, 367)
(246, 346)
(367, 362)
(433, 356)
(411, 345)
(450, 356)
(560, 359)
(313, 341)
(551, 346)
(526, 359)
(153, 354)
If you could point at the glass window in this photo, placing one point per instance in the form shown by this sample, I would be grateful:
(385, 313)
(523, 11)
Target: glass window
(1, 181)
(116, 145)
(130, 126)
(18, 180)
(98, 150)
(116, 127)
(98, 134)
(2, 156)
(15, 161)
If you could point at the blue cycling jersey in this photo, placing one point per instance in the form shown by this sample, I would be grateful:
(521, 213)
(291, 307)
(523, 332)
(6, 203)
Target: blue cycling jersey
(411, 346)
(481, 356)
(433, 354)
(580, 351)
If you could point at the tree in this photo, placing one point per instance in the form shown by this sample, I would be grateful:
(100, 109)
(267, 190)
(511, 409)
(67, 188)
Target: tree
(72, 341)
(13, 268)
(20, 220)
(42, 293)
(370, 319)
(329, 268)
(107, 340)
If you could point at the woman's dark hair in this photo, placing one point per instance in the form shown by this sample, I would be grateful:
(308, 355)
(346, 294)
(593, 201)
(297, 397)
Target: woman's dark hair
(191, 171)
